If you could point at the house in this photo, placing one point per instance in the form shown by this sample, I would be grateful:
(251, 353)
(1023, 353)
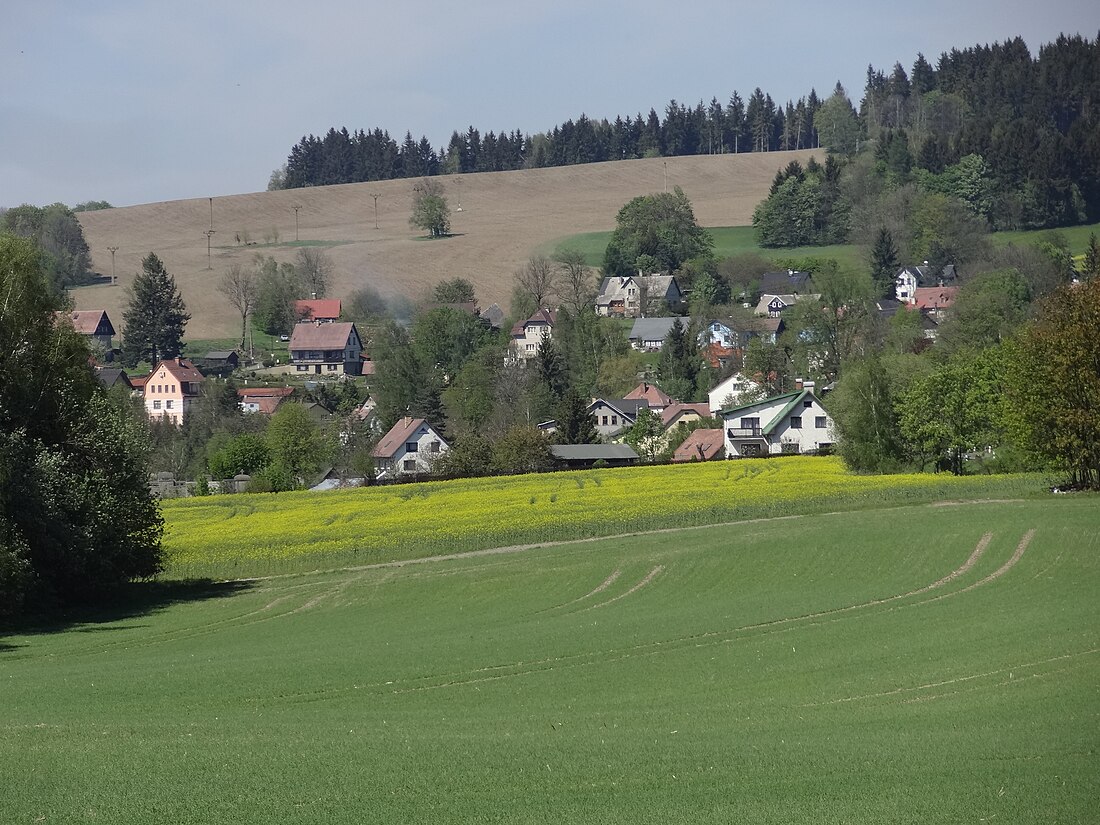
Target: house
(263, 399)
(934, 300)
(648, 334)
(493, 315)
(638, 295)
(582, 456)
(794, 422)
(645, 391)
(728, 391)
(319, 310)
(614, 415)
(412, 446)
(171, 388)
(111, 377)
(786, 282)
(330, 349)
(94, 324)
(774, 305)
(725, 338)
(528, 334)
(701, 445)
(911, 278)
(221, 362)
(686, 413)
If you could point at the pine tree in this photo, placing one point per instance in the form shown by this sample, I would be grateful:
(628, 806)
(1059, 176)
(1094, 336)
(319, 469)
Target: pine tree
(155, 317)
(884, 263)
(1091, 266)
(575, 424)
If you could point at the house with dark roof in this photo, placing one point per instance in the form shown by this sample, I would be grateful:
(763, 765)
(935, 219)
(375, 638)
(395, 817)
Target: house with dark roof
(111, 377)
(218, 362)
(637, 295)
(773, 306)
(171, 389)
(330, 349)
(701, 445)
(648, 334)
(582, 456)
(320, 310)
(613, 415)
(794, 422)
(528, 334)
(786, 282)
(411, 447)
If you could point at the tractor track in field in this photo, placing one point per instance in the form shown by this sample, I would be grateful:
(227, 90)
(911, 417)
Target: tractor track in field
(492, 673)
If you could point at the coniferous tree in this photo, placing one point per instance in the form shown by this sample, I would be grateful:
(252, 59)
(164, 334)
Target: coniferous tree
(884, 263)
(155, 316)
(576, 425)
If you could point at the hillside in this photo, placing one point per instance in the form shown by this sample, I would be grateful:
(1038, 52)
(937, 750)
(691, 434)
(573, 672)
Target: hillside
(505, 215)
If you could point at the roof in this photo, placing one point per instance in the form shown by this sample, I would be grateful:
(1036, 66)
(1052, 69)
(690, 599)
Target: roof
(677, 410)
(592, 452)
(181, 369)
(629, 407)
(613, 287)
(86, 321)
(399, 433)
(309, 335)
(924, 275)
(264, 392)
(789, 400)
(109, 376)
(651, 329)
(494, 315)
(313, 309)
(220, 355)
(650, 393)
(545, 317)
(934, 297)
(701, 445)
(787, 281)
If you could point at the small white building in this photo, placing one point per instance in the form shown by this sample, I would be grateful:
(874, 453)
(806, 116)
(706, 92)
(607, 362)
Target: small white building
(412, 446)
(730, 391)
(529, 333)
(794, 422)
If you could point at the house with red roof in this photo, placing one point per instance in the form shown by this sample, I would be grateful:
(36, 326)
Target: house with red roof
(528, 334)
(330, 349)
(263, 400)
(171, 388)
(656, 397)
(321, 310)
(411, 447)
(701, 445)
(93, 324)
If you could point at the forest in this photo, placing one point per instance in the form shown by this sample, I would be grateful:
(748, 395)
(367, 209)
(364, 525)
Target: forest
(1031, 121)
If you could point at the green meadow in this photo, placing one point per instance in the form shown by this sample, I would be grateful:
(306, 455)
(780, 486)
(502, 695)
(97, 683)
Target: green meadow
(908, 664)
(737, 240)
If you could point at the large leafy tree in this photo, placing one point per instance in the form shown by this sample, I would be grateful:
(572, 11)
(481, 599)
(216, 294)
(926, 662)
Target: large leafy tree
(76, 515)
(1054, 385)
(656, 229)
(65, 258)
(155, 316)
(430, 210)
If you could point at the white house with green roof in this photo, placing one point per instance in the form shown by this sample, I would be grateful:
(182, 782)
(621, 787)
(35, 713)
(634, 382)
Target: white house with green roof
(794, 422)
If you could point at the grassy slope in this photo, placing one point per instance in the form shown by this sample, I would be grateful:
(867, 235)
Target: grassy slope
(732, 686)
(735, 240)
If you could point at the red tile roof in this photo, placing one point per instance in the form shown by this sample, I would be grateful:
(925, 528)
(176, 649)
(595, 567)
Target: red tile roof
(317, 309)
(181, 369)
(934, 297)
(549, 317)
(701, 445)
(86, 321)
(399, 433)
(650, 393)
(264, 392)
(674, 411)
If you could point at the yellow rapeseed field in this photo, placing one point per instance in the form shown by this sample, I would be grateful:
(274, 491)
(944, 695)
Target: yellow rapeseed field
(253, 534)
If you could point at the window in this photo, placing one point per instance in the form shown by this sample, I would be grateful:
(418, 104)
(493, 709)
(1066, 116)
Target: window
(807, 404)
(168, 404)
(409, 465)
(819, 422)
(614, 420)
(156, 405)
(303, 368)
(173, 388)
(750, 423)
(603, 420)
(796, 421)
(412, 446)
(331, 367)
(433, 447)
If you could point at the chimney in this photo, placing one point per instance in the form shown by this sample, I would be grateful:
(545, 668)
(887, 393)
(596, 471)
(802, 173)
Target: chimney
(798, 383)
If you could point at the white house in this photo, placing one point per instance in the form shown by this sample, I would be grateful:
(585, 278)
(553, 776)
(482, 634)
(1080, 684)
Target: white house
(637, 295)
(794, 422)
(774, 305)
(728, 391)
(910, 278)
(613, 415)
(528, 334)
(412, 446)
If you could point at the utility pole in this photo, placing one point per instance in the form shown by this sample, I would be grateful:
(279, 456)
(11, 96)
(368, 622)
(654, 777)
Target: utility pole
(113, 250)
(296, 208)
(209, 233)
(376, 197)
(666, 174)
(211, 213)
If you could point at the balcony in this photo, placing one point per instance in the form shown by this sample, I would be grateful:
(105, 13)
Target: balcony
(744, 432)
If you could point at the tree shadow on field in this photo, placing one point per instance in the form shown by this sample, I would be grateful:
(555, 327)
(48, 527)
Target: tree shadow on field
(131, 601)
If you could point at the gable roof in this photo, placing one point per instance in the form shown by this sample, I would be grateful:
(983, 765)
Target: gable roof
(934, 297)
(399, 433)
(220, 355)
(87, 321)
(654, 395)
(651, 329)
(675, 411)
(109, 376)
(924, 276)
(592, 452)
(701, 445)
(788, 400)
(543, 317)
(627, 407)
(312, 309)
(181, 369)
(310, 335)
(264, 392)
(614, 287)
(785, 282)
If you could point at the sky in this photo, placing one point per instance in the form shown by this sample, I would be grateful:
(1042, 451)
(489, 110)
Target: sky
(134, 101)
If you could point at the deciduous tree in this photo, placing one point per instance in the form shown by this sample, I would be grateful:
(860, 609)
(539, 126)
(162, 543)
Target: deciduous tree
(430, 210)
(240, 287)
(661, 226)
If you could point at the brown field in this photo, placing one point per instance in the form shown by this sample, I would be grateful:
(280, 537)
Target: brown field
(505, 217)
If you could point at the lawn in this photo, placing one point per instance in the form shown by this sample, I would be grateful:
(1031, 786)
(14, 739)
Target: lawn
(910, 665)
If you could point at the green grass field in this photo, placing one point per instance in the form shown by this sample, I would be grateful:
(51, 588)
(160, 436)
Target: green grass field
(736, 240)
(906, 665)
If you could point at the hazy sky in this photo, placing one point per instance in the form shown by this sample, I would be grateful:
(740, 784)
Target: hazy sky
(134, 102)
